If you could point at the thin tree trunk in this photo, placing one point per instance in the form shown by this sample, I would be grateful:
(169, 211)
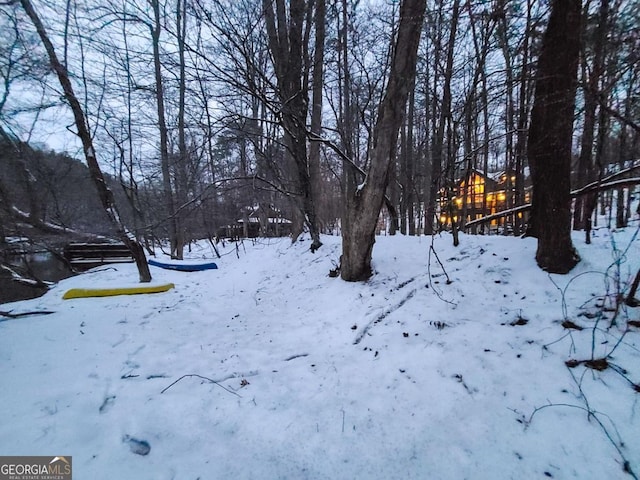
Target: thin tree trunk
(621, 220)
(435, 170)
(585, 170)
(445, 122)
(523, 117)
(394, 193)
(316, 107)
(622, 209)
(346, 127)
(437, 151)
(503, 31)
(408, 168)
(426, 163)
(181, 167)
(162, 126)
(131, 186)
(105, 194)
(591, 200)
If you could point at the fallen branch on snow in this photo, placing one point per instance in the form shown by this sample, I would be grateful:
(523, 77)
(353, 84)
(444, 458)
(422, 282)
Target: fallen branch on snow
(25, 314)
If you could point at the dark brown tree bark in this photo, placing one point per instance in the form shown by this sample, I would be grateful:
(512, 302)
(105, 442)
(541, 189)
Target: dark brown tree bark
(363, 207)
(105, 194)
(550, 136)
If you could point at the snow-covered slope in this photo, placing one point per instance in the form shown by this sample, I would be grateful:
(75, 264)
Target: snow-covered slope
(268, 368)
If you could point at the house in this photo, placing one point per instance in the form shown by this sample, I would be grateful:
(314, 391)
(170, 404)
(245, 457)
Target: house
(478, 195)
(258, 221)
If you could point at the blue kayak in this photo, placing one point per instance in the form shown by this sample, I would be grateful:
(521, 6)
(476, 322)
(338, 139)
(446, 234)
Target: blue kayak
(182, 266)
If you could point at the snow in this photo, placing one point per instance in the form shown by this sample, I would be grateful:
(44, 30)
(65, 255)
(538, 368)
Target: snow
(268, 368)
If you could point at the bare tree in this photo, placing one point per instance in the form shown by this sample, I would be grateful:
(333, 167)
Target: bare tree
(288, 42)
(316, 104)
(591, 79)
(156, 30)
(105, 194)
(181, 162)
(445, 127)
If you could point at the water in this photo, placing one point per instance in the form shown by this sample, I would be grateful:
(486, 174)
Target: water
(43, 265)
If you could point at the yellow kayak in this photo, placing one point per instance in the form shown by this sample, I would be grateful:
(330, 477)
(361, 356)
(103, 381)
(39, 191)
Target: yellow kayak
(109, 292)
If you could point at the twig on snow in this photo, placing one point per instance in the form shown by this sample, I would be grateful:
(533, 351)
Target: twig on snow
(203, 378)
(592, 414)
(438, 293)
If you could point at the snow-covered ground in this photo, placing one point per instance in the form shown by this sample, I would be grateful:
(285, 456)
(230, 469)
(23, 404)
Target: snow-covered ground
(267, 368)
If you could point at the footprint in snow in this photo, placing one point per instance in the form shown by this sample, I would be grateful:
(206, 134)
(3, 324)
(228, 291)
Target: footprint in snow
(107, 404)
(139, 447)
(499, 275)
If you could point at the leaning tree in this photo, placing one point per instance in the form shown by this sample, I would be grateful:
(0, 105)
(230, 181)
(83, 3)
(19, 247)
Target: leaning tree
(105, 194)
(363, 204)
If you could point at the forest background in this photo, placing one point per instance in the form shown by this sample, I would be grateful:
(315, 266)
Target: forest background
(202, 113)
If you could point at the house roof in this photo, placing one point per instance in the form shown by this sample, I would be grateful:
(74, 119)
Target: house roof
(269, 219)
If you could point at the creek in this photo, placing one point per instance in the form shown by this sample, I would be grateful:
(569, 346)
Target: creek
(42, 265)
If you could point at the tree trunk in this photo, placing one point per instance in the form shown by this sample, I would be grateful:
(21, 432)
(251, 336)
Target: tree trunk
(316, 103)
(394, 196)
(550, 136)
(363, 208)
(591, 200)
(181, 167)
(621, 204)
(105, 194)
(437, 150)
(434, 172)
(162, 126)
(523, 118)
(585, 170)
(346, 118)
(408, 167)
(503, 34)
